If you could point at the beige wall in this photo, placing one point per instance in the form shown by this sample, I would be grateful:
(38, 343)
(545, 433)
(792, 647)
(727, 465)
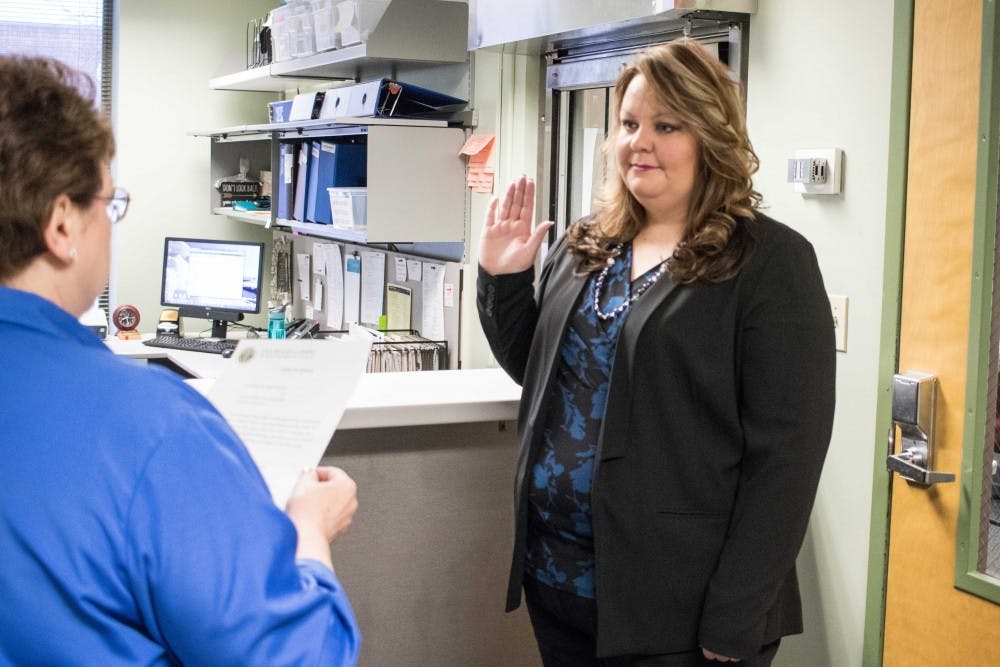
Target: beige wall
(810, 86)
(167, 52)
(506, 99)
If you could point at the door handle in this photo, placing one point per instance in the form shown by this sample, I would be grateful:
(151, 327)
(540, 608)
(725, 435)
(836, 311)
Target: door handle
(914, 396)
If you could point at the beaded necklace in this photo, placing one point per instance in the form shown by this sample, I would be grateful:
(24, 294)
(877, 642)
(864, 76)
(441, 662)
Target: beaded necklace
(636, 293)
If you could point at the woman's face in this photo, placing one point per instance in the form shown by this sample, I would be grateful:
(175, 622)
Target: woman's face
(657, 157)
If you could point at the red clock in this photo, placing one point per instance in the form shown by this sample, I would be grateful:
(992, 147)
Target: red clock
(126, 319)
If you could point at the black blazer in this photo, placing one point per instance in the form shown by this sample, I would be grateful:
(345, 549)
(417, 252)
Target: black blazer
(718, 419)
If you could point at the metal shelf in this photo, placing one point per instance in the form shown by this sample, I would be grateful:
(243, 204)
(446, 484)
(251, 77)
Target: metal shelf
(262, 218)
(326, 127)
(415, 179)
(411, 31)
(324, 231)
(262, 79)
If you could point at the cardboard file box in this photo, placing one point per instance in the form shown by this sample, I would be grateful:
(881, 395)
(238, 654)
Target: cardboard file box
(333, 166)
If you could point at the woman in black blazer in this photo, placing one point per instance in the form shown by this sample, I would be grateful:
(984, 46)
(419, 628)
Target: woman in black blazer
(677, 363)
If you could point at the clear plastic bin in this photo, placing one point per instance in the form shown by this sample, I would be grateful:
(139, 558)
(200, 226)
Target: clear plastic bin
(280, 47)
(349, 208)
(356, 19)
(325, 24)
(302, 34)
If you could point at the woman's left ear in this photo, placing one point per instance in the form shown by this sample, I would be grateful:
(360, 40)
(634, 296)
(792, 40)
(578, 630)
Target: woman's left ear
(60, 232)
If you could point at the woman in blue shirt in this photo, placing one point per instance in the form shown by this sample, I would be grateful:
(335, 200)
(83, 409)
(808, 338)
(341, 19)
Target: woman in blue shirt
(135, 528)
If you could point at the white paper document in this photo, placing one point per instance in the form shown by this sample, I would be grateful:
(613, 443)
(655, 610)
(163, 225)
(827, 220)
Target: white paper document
(413, 269)
(319, 258)
(432, 294)
(284, 398)
(372, 286)
(317, 291)
(334, 288)
(398, 304)
(302, 261)
(352, 287)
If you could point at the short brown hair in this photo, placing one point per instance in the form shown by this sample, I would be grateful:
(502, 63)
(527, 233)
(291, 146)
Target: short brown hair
(53, 141)
(696, 87)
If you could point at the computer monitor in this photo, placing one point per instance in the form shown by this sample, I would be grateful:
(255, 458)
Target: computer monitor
(213, 280)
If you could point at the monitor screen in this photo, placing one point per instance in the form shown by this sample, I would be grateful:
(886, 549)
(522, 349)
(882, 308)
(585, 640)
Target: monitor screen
(206, 275)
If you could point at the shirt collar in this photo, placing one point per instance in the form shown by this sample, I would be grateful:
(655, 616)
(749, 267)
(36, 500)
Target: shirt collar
(31, 311)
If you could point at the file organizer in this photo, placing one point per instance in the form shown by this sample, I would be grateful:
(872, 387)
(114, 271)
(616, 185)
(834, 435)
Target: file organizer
(407, 350)
(401, 351)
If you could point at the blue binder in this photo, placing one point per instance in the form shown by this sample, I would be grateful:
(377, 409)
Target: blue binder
(333, 166)
(384, 97)
(288, 157)
(301, 178)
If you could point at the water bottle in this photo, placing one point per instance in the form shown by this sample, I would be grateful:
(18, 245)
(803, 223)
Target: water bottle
(276, 323)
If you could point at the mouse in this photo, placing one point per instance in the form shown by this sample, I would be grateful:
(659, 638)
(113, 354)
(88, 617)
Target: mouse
(228, 352)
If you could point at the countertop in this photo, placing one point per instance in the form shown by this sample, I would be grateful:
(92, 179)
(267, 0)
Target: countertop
(381, 399)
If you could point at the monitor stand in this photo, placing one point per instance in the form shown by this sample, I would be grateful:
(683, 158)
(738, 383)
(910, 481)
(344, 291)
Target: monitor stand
(219, 328)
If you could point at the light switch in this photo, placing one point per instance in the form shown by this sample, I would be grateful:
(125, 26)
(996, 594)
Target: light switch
(838, 306)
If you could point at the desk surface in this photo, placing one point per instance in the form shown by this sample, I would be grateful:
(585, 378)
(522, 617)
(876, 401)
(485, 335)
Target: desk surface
(381, 399)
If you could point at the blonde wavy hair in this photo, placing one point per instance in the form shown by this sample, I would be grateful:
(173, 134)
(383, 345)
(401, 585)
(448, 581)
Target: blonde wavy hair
(696, 87)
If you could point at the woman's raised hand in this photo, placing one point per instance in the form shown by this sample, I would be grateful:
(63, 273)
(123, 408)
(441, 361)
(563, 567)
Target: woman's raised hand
(508, 244)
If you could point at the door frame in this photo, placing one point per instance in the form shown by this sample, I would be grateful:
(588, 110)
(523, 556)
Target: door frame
(966, 575)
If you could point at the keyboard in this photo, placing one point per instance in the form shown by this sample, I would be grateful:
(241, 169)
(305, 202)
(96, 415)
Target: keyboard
(191, 344)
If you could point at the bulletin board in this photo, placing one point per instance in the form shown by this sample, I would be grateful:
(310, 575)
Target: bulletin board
(432, 287)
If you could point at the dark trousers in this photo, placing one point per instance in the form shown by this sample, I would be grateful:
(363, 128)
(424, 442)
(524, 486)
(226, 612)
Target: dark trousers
(565, 628)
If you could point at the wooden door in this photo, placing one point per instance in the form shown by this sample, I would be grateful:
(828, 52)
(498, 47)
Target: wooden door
(928, 621)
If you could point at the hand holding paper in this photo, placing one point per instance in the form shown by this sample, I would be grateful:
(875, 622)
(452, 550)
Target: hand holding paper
(284, 398)
(321, 506)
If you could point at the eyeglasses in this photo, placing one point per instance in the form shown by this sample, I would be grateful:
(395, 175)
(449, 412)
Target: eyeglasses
(117, 204)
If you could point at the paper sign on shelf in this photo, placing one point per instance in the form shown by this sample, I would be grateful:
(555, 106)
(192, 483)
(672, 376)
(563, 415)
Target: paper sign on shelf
(480, 170)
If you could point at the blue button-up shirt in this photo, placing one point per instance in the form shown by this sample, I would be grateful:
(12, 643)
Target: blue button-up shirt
(134, 526)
